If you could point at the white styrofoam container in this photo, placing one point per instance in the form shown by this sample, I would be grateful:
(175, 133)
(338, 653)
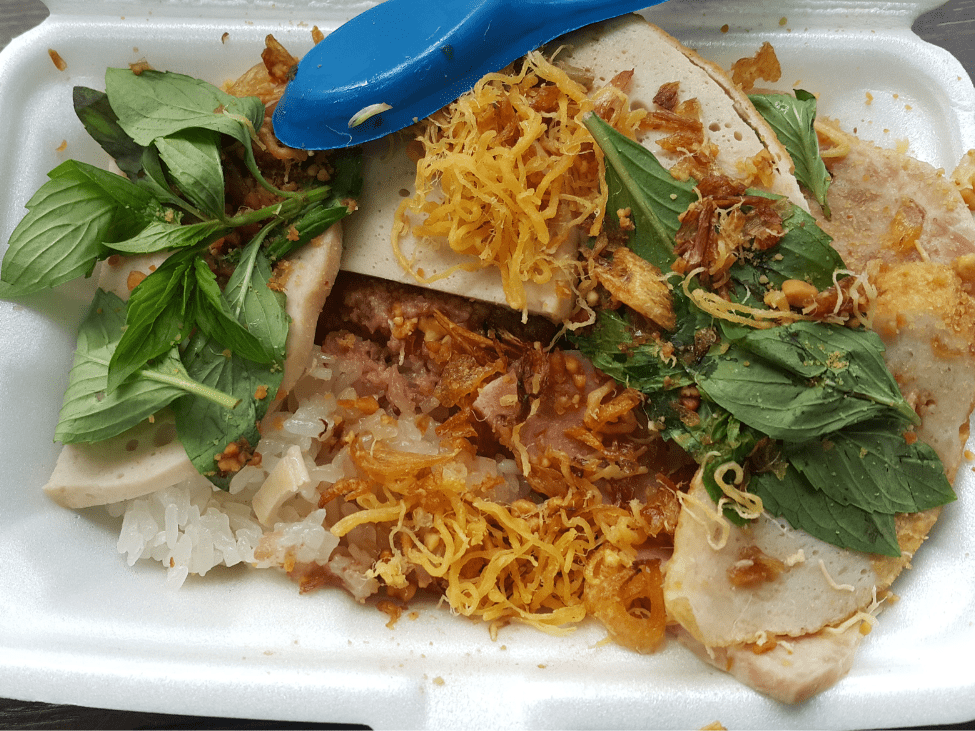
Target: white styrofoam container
(77, 625)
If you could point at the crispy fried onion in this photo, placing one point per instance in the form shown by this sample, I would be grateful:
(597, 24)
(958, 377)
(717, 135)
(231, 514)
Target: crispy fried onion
(509, 171)
(763, 65)
(266, 81)
(627, 597)
(635, 282)
(500, 563)
(725, 222)
(682, 124)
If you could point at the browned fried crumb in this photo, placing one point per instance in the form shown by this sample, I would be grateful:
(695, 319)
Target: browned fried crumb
(134, 279)
(763, 65)
(235, 456)
(59, 63)
(278, 280)
(139, 66)
(392, 609)
(666, 96)
(753, 568)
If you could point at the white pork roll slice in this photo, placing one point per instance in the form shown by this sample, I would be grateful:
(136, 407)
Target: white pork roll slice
(141, 460)
(149, 457)
(730, 121)
(819, 585)
(307, 281)
(788, 670)
(389, 176)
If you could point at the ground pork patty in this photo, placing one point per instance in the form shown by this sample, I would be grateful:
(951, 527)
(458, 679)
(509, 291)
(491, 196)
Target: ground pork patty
(376, 307)
(392, 330)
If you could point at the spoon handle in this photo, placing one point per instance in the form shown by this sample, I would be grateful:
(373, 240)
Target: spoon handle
(403, 59)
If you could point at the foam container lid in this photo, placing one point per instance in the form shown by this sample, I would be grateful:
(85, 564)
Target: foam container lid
(81, 627)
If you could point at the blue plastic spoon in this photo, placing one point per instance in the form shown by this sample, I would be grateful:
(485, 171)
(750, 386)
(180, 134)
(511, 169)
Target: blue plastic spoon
(402, 60)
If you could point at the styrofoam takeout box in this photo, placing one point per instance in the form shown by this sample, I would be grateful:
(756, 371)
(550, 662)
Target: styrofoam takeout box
(77, 625)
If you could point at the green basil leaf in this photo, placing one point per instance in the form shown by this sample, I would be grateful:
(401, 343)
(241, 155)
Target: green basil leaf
(101, 122)
(154, 179)
(205, 429)
(710, 434)
(872, 467)
(261, 309)
(610, 345)
(156, 104)
(808, 509)
(213, 315)
(134, 207)
(68, 220)
(310, 224)
(804, 253)
(803, 380)
(769, 399)
(636, 180)
(691, 320)
(91, 414)
(778, 403)
(842, 358)
(192, 157)
(162, 236)
(157, 317)
(791, 118)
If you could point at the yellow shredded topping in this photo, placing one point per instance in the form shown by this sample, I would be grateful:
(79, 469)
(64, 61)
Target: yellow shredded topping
(748, 506)
(712, 518)
(862, 292)
(497, 562)
(509, 172)
(831, 581)
(833, 144)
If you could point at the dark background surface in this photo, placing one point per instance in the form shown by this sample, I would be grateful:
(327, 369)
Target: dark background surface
(952, 26)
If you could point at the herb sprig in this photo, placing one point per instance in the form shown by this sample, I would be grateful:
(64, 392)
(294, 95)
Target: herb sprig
(809, 409)
(791, 118)
(210, 350)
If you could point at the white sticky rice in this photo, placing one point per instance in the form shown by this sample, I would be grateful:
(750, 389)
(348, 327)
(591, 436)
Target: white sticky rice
(192, 527)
